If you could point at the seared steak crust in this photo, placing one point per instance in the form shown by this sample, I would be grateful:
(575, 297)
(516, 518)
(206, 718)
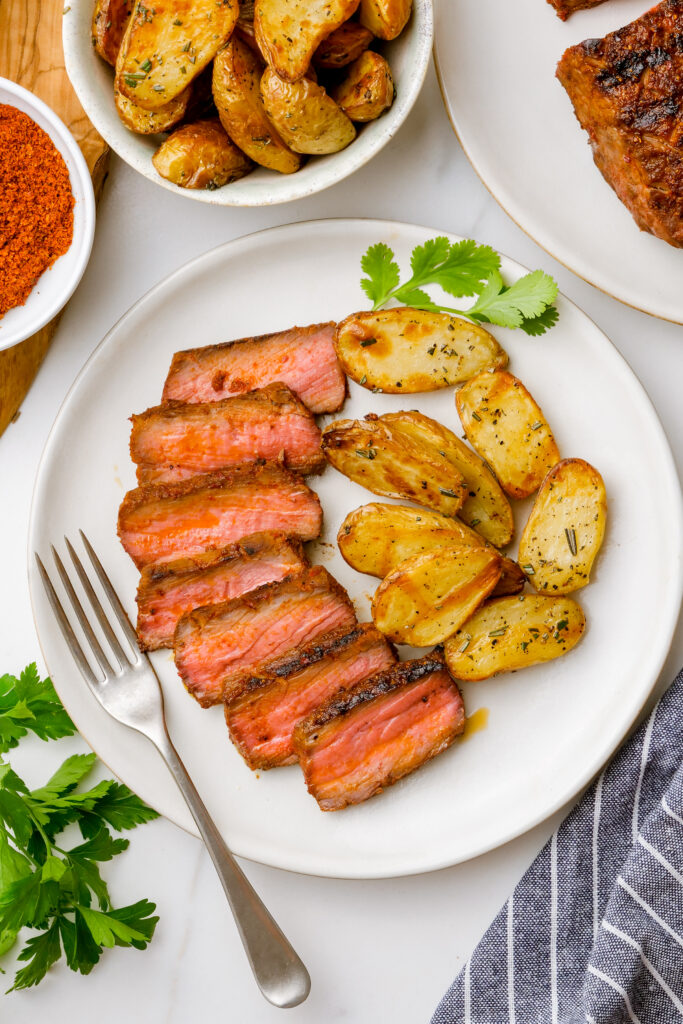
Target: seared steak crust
(627, 91)
(566, 7)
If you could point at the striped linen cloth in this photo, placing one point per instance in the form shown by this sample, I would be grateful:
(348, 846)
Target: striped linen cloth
(593, 933)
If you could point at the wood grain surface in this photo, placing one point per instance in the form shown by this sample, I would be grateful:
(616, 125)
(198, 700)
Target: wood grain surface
(31, 54)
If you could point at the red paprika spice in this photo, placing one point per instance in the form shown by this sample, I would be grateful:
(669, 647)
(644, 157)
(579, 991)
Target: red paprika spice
(36, 205)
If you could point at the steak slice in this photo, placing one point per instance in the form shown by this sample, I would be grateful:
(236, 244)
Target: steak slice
(215, 646)
(627, 91)
(303, 358)
(181, 439)
(261, 719)
(169, 590)
(566, 7)
(164, 522)
(362, 740)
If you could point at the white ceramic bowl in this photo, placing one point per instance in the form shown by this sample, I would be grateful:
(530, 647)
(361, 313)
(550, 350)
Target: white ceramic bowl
(56, 286)
(92, 79)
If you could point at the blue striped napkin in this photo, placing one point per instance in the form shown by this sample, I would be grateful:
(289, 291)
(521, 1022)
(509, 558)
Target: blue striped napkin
(593, 933)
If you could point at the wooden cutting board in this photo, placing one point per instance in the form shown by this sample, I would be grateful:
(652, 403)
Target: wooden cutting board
(31, 54)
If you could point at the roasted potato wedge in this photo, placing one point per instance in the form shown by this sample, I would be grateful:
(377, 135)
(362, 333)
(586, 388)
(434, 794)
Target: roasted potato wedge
(505, 425)
(514, 632)
(151, 122)
(429, 596)
(236, 91)
(373, 455)
(109, 22)
(343, 46)
(386, 19)
(565, 529)
(168, 43)
(289, 32)
(200, 155)
(406, 350)
(486, 508)
(308, 120)
(367, 90)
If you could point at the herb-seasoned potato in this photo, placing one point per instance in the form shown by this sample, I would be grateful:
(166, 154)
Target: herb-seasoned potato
(486, 508)
(429, 596)
(308, 120)
(168, 43)
(368, 89)
(200, 155)
(109, 21)
(406, 350)
(236, 90)
(370, 453)
(565, 529)
(150, 122)
(506, 426)
(514, 632)
(343, 46)
(512, 579)
(289, 31)
(386, 19)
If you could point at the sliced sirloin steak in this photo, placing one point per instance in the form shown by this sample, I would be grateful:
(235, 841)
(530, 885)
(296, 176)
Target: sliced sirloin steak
(566, 7)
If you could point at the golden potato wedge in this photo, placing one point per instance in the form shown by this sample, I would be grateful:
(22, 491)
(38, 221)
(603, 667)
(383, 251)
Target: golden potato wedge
(514, 632)
(429, 596)
(505, 425)
(167, 44)
(289, 32)
(201, 155)
(406, 350)
(109, 23)
(236, 90)
(367, 90)
(486, 509)
(386, 19)
(565, 528)
(373, 455)
(308, 120)
(151, 122)
(343, 46)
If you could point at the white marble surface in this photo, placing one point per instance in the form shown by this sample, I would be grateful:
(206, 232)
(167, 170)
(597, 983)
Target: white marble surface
(376, 950)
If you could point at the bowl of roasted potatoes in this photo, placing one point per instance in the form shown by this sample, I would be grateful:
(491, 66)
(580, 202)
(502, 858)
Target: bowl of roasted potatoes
(247, 102)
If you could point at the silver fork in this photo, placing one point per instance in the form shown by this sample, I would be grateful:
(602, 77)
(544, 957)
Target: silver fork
(130, 692)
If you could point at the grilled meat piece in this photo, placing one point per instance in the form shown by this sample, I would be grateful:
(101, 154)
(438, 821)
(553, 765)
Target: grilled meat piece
(303, 358)
(627, 91)
(261, 719)
(215, 646)
(169, 590)
(181, 439)
(566, 7)
(164, 522)
(362, 740)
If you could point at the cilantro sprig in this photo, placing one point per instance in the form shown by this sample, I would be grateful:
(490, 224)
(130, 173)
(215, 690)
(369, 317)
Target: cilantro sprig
(461, 269)
(44, 885)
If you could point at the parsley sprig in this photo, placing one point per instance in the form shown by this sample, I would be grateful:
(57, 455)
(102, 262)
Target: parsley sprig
(44, 885)
(461, 269)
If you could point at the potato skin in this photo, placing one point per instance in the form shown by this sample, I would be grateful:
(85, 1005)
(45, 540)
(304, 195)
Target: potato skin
(367, 91)
(343, 46)
(289, 32)
(535, 627)
(386, 19)
(307, 119)
(570, 510)
(506, 426)
(109, 22)
(236, 91)
(406, 350)
(151, 122)
(200, 155)
(429, 596)
(371, 454)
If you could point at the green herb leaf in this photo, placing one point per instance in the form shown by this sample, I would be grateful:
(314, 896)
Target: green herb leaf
(30, 703)
(383, 272)
(41, 951)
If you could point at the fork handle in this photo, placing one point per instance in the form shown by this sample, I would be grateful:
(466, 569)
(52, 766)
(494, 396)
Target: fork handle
(279, 973)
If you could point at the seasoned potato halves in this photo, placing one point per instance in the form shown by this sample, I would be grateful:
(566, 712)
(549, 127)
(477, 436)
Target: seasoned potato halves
(388, 463)
(109, 22)
(429, 596)
(151, 122)
(386, 19)
(514, 632)
(200, 155)
(406, 350)
(236, 91)
(343, 46)
(308, 120)
(289, 31)
(506, 426)
(367, 90)
(565, 529)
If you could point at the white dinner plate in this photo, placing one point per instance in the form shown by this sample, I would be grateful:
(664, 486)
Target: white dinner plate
(496, 63)
(550, 728)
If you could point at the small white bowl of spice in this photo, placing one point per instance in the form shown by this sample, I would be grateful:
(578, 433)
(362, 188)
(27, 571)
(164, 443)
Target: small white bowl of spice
(47, 214)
